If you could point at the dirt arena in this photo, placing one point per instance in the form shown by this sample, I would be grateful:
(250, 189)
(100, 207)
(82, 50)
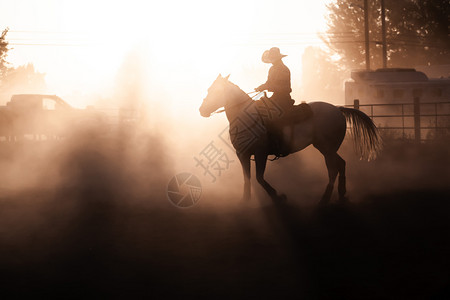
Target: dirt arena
(90, 219)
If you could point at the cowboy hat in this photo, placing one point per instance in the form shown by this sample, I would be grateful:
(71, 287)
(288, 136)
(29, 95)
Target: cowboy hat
(272, 55)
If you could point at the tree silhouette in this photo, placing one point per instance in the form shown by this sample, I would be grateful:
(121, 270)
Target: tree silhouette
(3, 52)
(417, 32)
(22, 79)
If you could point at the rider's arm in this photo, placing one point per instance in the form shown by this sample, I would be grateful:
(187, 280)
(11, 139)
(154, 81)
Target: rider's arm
(261, 88)
(269, 83)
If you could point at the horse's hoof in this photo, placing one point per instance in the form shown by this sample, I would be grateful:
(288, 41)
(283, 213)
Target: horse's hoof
(324, 201)
(280, 198)
(343, 199)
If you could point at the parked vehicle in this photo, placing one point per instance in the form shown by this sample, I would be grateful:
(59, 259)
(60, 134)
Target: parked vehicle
(46, 116)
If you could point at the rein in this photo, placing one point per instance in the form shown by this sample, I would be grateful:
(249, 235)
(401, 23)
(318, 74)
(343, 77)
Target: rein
(222, 110)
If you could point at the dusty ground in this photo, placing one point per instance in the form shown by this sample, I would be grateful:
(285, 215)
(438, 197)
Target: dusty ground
(89, 219)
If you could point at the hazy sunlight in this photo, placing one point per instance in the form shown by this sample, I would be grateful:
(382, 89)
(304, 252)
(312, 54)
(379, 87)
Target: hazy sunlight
(183, 45)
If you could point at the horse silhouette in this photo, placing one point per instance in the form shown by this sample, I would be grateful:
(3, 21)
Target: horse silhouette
(325, 130)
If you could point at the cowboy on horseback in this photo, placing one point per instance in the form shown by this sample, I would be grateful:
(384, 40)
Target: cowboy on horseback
(278, 80)
(324, 128)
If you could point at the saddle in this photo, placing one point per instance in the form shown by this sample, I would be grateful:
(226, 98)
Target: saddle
(282, 112)
(289, 116)
(296, 114)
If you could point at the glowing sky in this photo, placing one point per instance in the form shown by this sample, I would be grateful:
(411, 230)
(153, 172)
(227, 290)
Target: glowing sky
(81, 44)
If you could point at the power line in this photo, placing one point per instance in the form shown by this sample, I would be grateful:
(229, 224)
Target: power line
(262, 38)
(48, 44)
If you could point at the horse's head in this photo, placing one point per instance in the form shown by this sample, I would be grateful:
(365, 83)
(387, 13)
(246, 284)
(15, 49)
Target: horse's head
(216, 97)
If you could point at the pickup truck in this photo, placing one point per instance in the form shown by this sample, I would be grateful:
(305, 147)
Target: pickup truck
(49, 116)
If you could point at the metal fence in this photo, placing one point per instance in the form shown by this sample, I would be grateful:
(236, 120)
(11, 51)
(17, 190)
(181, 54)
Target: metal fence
(416, 120)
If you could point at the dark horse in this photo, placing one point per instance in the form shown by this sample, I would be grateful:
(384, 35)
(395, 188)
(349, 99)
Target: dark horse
(325, 130)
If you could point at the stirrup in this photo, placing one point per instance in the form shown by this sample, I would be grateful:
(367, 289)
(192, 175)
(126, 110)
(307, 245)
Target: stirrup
(278, 156)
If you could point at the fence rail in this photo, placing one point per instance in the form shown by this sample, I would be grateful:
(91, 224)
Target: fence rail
(423, 118)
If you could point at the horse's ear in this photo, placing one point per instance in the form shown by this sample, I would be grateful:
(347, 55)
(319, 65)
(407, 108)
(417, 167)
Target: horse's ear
(220, 76)
(226, 78)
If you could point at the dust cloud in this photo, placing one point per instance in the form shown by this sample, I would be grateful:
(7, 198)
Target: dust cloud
(90, 210)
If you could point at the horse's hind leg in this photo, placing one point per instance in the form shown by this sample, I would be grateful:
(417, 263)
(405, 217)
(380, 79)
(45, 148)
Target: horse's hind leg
(342, 182)
(260, 162)
(331, 161)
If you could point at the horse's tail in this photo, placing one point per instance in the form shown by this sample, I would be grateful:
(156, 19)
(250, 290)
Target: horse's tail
(366, 138)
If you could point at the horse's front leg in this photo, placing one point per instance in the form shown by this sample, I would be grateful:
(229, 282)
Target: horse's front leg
(245, 163)
(260, 162)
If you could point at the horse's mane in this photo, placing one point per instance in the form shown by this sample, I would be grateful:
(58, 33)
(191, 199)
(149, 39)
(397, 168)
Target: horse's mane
(238, 92)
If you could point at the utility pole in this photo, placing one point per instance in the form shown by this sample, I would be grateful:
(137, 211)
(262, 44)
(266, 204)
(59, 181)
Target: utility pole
(366, 32)
(383, 33)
